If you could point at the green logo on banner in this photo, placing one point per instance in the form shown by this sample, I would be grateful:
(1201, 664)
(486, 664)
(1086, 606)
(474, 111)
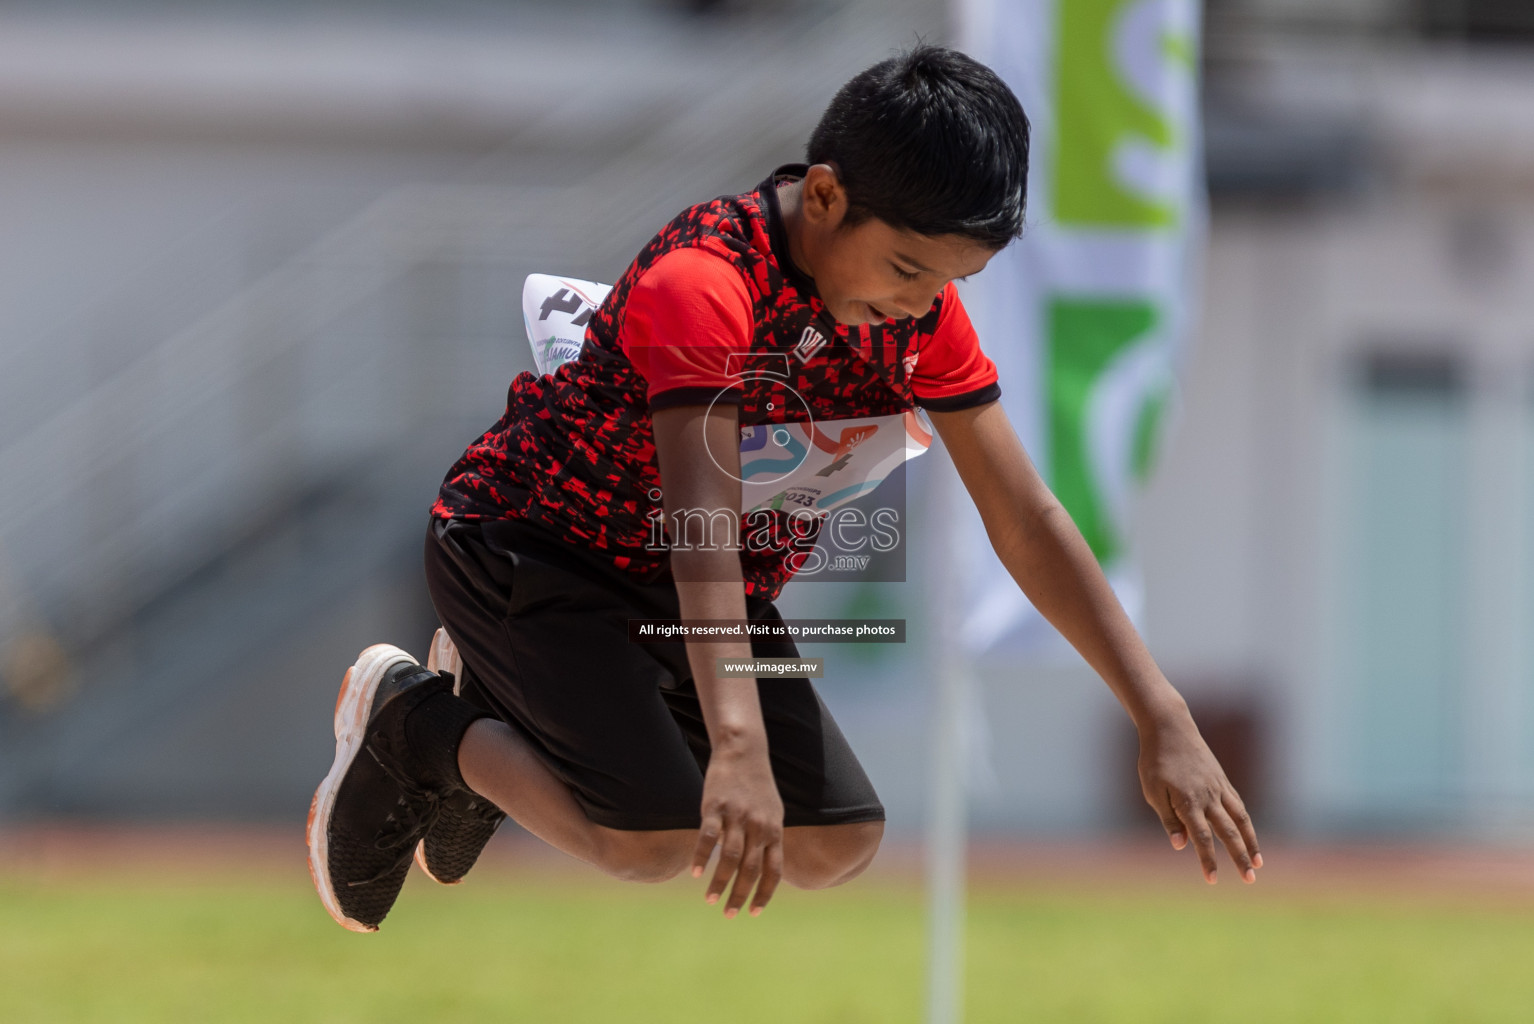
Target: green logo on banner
(1098, 112)
(1086, 337)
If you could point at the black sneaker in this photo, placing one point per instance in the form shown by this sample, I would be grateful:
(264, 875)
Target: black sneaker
(372, 809)
(466, 820)
(455, 840)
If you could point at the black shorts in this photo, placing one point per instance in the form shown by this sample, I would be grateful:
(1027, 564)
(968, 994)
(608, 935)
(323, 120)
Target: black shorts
(543, 633)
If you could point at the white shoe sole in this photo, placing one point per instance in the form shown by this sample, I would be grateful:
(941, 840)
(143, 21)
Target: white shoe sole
(354, 705)
(442, 657)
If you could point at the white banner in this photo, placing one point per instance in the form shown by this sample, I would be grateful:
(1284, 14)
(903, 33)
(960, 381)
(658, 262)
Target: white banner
(1088, 314)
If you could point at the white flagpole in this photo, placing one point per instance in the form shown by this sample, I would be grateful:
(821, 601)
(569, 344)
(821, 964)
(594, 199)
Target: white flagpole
(946, 812)
(947, 809)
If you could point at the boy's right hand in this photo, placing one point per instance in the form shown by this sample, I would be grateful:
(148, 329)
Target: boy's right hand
(743, 816)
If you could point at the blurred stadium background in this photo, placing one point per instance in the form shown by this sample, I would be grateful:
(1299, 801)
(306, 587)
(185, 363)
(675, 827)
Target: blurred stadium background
(261, 283)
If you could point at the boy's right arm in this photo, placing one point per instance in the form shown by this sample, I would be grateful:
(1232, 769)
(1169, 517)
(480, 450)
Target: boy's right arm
(698, 450)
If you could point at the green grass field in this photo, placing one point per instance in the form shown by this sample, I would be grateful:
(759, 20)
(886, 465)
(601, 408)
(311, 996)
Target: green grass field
(567, 947)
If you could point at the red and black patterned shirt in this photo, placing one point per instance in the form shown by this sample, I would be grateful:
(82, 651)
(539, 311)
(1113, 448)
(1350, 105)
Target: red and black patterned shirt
(712, 309)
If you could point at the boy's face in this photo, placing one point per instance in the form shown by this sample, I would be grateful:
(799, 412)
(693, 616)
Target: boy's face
(871, 272)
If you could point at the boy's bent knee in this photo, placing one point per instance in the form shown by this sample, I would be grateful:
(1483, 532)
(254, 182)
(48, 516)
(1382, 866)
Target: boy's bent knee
(822, 856)
(644, 856)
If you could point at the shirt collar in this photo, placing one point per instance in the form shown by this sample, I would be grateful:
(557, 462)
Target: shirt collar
(777, 233)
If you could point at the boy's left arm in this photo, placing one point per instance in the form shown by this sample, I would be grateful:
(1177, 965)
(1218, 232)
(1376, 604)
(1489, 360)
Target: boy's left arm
(1036, 540)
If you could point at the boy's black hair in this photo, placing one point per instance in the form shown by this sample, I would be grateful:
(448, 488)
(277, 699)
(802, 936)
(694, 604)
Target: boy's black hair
(931, 141)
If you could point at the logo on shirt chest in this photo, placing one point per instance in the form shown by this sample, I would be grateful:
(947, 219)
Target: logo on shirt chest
(810, 342)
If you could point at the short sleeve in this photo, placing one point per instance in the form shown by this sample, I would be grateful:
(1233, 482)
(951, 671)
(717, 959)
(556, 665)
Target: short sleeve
(951, 371)
(682, 321)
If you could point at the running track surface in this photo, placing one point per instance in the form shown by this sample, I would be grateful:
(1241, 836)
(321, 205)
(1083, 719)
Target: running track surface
(1496, 874)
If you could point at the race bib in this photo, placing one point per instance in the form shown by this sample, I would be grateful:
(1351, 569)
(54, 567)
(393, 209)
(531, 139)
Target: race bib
(556, 311)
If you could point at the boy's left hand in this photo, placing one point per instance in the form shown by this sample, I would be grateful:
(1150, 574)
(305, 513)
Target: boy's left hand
(1188, 789)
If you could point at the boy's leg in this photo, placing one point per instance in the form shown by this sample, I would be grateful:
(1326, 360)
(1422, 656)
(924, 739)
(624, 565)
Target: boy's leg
(499, 763)
(502, 766)
(465, 821)
(598, 749)
(821, 856)
(833, 820)
(583, 751)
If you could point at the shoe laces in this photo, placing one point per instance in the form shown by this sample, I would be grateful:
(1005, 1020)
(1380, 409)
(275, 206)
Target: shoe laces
(413, 814)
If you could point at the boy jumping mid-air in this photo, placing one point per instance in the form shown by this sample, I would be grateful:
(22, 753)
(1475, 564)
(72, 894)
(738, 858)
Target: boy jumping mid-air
(824, 294)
